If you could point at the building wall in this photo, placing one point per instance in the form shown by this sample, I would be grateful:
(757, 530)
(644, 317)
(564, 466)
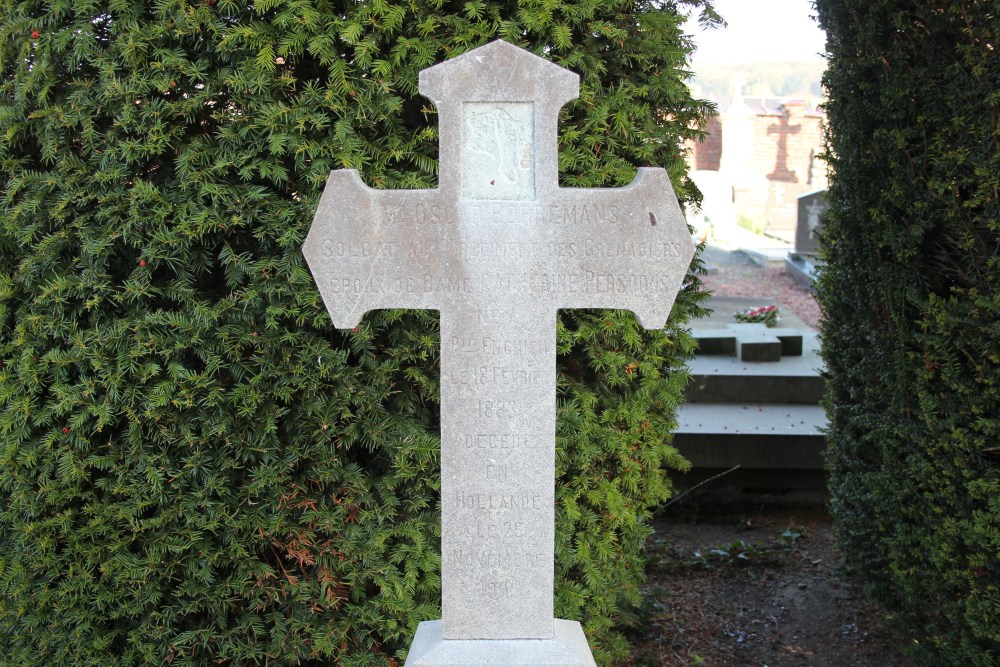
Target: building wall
(706, 155)
(785, 142)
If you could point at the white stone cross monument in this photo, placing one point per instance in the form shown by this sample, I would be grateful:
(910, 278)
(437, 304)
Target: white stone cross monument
(497, 248)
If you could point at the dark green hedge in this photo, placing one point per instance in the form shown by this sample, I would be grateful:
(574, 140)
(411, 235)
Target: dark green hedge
(911, 301)
(195, 468)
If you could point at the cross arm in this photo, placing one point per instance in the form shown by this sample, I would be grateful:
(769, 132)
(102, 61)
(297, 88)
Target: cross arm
(624, 247)
(371, 249)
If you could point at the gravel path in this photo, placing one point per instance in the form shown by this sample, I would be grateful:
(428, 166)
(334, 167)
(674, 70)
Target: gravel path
(732, 274)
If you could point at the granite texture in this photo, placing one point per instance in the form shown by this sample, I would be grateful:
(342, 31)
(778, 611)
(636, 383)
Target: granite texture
(498, 247)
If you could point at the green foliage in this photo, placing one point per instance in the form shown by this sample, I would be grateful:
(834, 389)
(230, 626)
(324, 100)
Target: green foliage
(753, 223)
(911, 297)
(195, 468)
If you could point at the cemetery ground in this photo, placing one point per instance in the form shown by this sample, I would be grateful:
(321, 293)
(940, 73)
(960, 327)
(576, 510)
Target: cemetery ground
(754, 586)
(746, 584)
(733, 274)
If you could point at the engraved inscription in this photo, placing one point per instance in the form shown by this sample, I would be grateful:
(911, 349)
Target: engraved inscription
(563, 249)
(541, 283)
(578, 216)
(544, 215)
(496, 441)
(332, 249)
(497, 471)
(624, 282)
(418, 214)
(513, 250)
(500, 501)
(628, 249)
(588, 282)
(506, 251)
(492, 345)
(423, 249)
(482, 558)
(486, 529)
(425, 284)
(495, 587)
(498, 409)
(588, 247)
(491, 317)
(497, 375)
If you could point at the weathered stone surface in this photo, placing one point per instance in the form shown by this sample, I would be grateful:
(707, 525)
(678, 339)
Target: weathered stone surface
(498, 247)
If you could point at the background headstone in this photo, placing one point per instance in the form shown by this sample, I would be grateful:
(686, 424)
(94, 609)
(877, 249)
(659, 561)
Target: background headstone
(803, 264)
(781, 208)
(812, 206)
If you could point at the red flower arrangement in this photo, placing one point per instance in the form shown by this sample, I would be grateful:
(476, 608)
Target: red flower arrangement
(769, 315)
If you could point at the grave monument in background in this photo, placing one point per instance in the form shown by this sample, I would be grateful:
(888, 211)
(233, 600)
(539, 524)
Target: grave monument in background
(497, 248)
(802, 264)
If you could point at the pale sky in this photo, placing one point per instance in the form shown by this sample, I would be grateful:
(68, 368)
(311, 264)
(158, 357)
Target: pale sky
(760, 31)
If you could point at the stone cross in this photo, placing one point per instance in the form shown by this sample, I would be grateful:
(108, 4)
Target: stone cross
(497, 248)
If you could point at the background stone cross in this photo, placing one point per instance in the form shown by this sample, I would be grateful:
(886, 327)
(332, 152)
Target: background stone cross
(497, 248)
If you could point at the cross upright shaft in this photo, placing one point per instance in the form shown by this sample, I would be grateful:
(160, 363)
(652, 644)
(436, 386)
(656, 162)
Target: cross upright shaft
(498, 248)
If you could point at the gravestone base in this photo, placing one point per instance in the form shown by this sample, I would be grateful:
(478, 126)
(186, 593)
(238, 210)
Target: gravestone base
(803, 269)
(568, 648)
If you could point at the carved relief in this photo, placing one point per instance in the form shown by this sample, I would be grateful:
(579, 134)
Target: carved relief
(498, 161)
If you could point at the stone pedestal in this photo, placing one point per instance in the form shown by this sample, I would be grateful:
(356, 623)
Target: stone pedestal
(567, 648)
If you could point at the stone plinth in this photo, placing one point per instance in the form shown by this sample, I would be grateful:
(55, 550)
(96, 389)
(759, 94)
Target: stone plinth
(566, 648)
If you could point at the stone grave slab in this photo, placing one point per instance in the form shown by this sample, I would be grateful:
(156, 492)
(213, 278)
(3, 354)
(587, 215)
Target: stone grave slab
(497, 248)
(728, 379)
(720, 335)
(761, 424)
